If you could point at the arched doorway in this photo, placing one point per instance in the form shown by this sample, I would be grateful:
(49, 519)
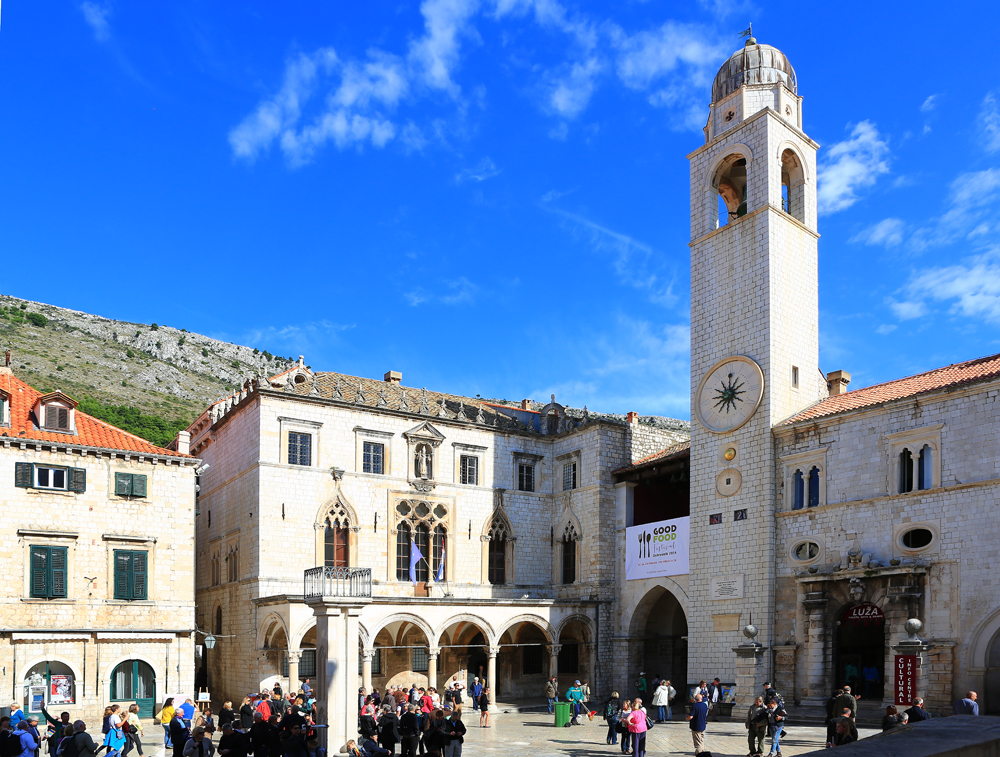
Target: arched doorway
(861, 647)
(991, 681)
(134, 681)
(658, 642)
(523, 662)
(665, 642)
(401, 656)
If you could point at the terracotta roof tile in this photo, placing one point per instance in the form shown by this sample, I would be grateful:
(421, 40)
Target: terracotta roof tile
(674, 451)
(90, 432)
(951, 376)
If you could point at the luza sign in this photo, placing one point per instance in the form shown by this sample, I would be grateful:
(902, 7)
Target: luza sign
(657, 549)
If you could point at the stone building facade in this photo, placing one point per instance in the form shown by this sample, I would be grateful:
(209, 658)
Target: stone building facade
(826, 518)
(511, 506)
(98, 545)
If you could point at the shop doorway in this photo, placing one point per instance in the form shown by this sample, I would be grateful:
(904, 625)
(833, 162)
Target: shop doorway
(861, 654)
(51, 684)
(134, 681)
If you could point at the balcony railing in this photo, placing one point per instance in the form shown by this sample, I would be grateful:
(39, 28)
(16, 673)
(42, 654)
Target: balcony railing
(338, 582)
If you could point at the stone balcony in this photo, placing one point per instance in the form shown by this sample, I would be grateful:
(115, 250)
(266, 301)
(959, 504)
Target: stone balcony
(347, 583)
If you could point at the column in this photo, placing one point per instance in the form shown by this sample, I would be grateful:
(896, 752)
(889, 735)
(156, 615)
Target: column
(749, 670)
(336, 653)
(814, 665)
(367, 656)
(554, 661)
(491, 671)
(293, 669)
(432, 667)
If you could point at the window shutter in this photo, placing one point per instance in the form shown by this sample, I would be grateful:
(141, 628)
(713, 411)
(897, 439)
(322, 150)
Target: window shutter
(123, 561)
(57, 561)
(24, 475)
(123, 484)
(39, 571)
(78, 479)
(139, 486)
(139, 575)
(51, 416)
(63, 418)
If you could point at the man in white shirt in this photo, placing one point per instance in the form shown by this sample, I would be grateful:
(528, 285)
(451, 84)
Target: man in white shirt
(714, 699)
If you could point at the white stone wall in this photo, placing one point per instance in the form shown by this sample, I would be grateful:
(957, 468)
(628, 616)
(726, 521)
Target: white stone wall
(864, 510)
(89, 630)
(249, 486)
(754, 293)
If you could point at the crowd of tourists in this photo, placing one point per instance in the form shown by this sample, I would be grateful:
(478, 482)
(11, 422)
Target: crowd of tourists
(420, 721)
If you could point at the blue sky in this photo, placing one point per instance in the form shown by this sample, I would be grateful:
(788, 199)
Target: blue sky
(492, 196)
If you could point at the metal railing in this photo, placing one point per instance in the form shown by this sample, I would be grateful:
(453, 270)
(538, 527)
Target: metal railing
(338, 582)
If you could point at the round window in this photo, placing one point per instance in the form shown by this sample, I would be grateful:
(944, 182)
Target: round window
(916, 538)
(807, 550)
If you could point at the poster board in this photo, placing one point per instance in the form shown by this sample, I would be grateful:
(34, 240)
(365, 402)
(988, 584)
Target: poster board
(657, 549)
(61, 690)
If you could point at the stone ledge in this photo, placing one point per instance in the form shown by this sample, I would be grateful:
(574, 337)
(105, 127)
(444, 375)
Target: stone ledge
(958, 736)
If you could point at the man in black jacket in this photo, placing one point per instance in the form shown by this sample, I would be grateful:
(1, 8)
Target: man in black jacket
(409, 732)
(916, 713)
(388, 729)
(179, 733)
(714, 699)
(260, 737)
(232, 743)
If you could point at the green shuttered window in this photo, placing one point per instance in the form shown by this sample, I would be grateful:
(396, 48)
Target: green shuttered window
(31, 476)
(130, 484)
(48, 572)
(130, 574)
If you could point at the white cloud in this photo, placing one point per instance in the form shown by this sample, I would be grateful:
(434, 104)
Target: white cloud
(888, 232)
(436, 53)
(929, 104)
(96, 16)
(635, 262)
(554, 194)
(483, 170)
(970, 212)
(989, 118)
(850, 166)
(971, 286)
(570, 91)
(907, 310)
(458, 292)
(886, 328)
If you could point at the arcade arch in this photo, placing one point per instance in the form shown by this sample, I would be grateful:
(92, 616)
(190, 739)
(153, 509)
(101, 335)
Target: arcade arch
(658, 637)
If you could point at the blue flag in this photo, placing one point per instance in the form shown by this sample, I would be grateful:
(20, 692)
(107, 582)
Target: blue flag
(440, 575)
(415, 557)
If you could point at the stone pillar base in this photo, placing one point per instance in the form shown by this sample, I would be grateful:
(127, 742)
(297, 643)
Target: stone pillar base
(749, 673)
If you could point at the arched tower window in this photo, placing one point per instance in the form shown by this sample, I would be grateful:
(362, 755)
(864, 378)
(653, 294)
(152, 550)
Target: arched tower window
(498, 537)
(799, 496)
(569, 553)
(731, 184)
(793, 186)
(218, 620)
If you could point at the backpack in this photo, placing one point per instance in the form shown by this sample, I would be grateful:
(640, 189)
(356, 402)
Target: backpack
(11, 746)
(610, 712)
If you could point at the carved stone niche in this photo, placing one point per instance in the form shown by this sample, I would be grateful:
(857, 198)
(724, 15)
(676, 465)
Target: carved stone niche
(422, 458)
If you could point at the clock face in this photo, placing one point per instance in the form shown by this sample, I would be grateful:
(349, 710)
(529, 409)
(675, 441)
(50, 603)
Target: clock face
(729, 394)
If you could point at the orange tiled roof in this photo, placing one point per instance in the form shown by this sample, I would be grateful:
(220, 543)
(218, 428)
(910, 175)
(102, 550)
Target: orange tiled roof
(90, 432)
(676, 450)
(950, 376)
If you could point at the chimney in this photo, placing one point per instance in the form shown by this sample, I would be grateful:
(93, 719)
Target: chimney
(392, 377)
(183, 443)
(302, 361)
(5, 368)
(633, 418)
(526, 404)
(837, 382)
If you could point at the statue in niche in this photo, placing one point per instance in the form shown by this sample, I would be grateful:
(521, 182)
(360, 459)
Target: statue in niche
(423, 462)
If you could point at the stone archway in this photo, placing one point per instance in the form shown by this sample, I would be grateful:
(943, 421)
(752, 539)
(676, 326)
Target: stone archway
(657, 642)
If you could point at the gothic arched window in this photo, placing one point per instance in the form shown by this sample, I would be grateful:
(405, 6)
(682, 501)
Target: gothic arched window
(403, 534)
(438, 554)
(421, 538)
(336, 540)
(569, 540)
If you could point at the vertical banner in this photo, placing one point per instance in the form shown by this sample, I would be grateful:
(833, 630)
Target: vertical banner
(905, 677)
(657, 549)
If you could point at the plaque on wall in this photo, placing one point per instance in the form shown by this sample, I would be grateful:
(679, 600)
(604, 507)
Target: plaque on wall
(727, 587)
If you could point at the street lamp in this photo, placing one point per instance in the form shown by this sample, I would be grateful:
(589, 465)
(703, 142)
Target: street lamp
(210, 641)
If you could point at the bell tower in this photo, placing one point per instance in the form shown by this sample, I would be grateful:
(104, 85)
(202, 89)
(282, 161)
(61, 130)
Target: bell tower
(754, 341)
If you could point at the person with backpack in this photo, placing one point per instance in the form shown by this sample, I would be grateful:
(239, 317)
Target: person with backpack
(776, 716)
(388, 729)
(80, 744)
(611, 717)
(26, 738)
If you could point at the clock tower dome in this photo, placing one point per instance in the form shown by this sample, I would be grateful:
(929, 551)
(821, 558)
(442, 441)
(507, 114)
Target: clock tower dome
(754, 341)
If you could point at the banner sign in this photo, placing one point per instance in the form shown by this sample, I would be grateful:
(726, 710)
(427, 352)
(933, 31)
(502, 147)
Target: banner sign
(61, 691)
(657, 549)
(866, 612)
(905, 678)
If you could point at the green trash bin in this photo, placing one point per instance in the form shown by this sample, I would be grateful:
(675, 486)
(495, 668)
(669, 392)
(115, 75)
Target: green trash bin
(562, 713)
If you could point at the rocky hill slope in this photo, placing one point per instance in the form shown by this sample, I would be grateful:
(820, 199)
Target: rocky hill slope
(160, 370)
